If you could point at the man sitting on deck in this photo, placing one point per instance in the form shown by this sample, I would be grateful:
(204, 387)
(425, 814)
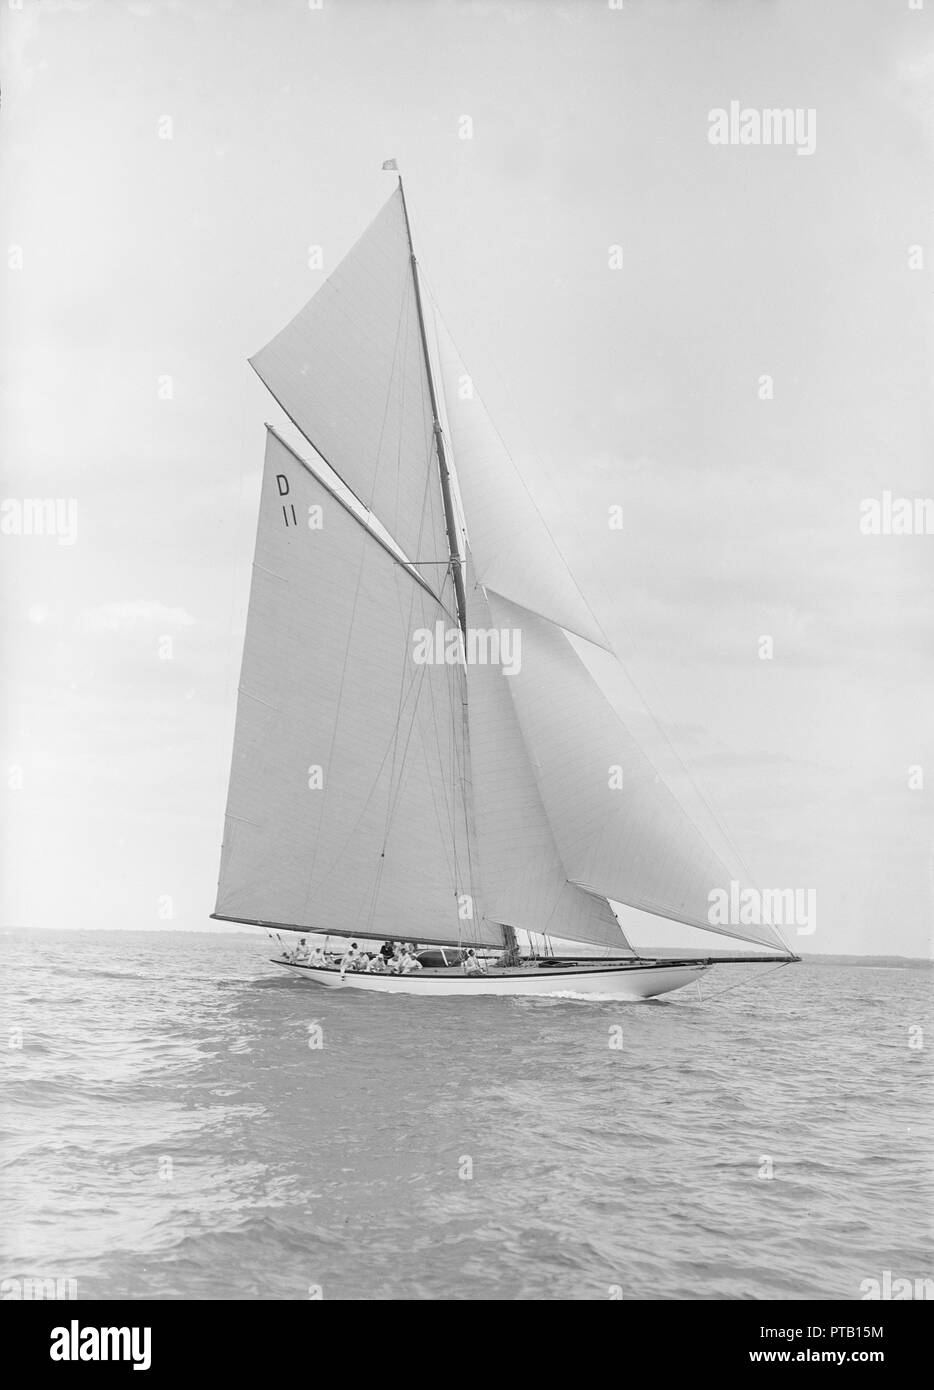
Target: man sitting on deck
(472, 964)
(410, 962)
(394, 964)
(350, 958)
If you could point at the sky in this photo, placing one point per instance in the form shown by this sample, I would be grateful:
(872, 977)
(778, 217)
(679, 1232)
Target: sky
(164, 169)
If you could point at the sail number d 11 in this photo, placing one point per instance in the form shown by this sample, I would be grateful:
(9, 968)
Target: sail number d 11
(315, 511)
(282, 483)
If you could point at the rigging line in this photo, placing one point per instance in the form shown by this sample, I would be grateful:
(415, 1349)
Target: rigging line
(401, 391)
(463, 769)
(337, 719)
(431, 493)
(407, 623)
(392, 808)
(515, 469)
(398, 370)
(446, 755)
(445, 422)
(340, 853)
(548, 920)
(406, 626)
(378, 880)
(454, 696)
(718, 994)
(448, 758)
(353, 829)
(395, 787)
(445, 816)
(374, 893)
(459, 693)
(403, 318)
(431, 444)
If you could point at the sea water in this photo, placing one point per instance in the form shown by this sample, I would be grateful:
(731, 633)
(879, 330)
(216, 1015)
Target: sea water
(184, 1119)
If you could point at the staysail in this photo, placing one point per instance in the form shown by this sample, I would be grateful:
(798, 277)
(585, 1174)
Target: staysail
(620, 830)
(525, 884)
(346, 810)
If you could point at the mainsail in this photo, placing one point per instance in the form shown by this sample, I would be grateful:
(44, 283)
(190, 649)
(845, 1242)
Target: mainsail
(347, 810)
(377, 793)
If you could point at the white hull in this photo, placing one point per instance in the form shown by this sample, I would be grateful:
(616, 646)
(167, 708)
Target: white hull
(614, 981)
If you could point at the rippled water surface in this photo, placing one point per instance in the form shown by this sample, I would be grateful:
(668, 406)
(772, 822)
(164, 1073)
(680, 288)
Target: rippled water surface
(169, 1131)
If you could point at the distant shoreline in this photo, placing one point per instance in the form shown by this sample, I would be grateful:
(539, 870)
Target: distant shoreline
(660, 952)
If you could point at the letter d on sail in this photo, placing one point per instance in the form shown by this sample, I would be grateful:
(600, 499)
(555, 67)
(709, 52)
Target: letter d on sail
(282, 483)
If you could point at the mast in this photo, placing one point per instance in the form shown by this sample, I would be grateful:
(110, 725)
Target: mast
(456, 561)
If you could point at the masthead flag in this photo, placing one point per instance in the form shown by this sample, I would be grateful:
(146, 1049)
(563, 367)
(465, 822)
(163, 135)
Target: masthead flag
(391, 164)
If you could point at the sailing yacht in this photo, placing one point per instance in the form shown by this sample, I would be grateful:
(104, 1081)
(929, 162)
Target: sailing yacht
(392, 776)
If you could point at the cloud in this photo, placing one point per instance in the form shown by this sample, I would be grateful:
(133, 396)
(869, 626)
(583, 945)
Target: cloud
(915, 76)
